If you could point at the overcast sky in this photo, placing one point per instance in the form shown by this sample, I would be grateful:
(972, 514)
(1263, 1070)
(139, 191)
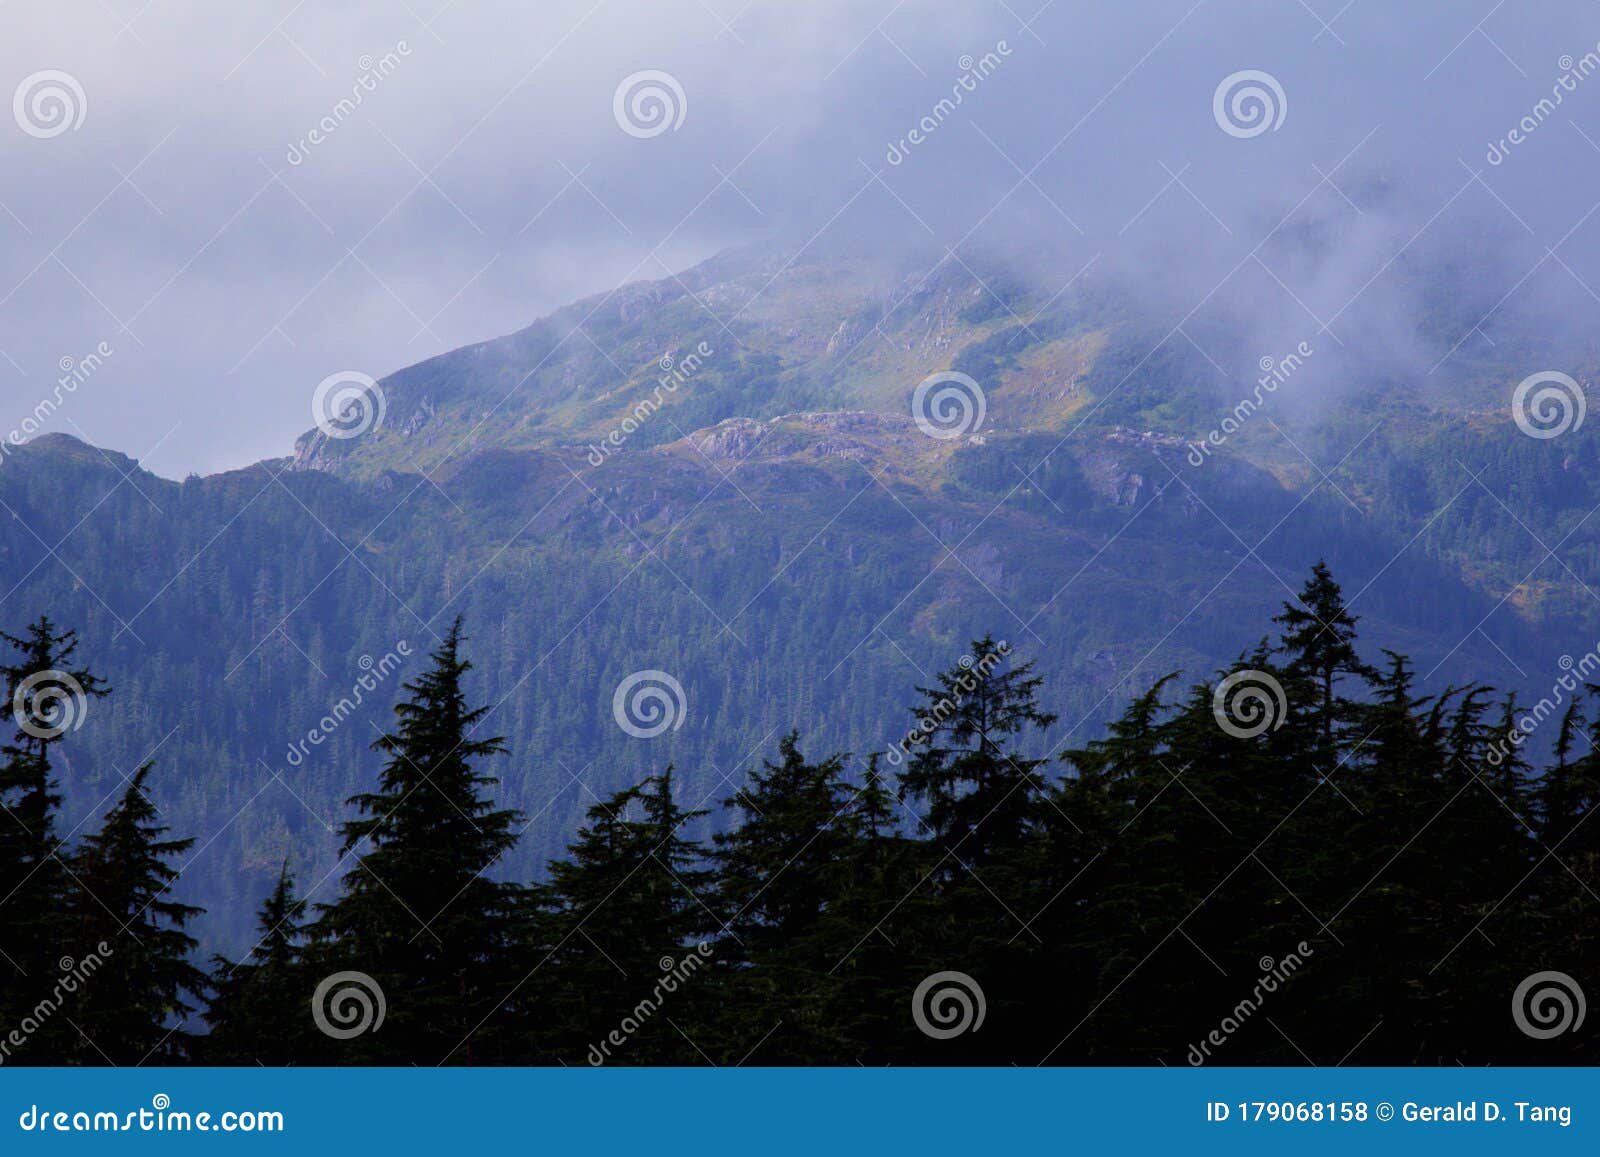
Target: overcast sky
(173, 206)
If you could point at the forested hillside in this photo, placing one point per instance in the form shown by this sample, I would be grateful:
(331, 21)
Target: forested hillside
(779, 536)
(1304, 862)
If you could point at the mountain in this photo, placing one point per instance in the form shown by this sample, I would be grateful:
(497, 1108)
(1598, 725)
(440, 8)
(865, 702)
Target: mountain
(722, 476)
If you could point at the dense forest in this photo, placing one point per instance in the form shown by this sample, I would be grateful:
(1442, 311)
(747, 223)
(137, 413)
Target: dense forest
(780, 535)
(238, 609)
(1301, 861)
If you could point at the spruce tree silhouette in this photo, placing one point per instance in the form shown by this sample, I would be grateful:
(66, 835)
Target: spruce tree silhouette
(1392, 858)
(418, 913)
(46, 692)
(257, 1012)
(131, 1011)
(617, 972)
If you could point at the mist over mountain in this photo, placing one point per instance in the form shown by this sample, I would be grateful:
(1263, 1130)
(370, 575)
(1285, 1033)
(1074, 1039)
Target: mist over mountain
(480, 182)
(765, 511)
(510, 449)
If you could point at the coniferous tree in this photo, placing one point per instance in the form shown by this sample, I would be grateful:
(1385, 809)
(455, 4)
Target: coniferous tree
(257, 1010)
(1570, 789)
(45, 693)
(982, 795)
(1392, 918)
(780, 868)
(620, 971)
(132, 1010)
(984, 800)
(1561, 890)
(1095, 916)
(418, 914)
(884, 933)
(1319, 635)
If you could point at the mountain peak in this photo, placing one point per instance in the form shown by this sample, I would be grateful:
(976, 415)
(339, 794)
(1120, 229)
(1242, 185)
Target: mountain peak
(69, 448)
(754, 333)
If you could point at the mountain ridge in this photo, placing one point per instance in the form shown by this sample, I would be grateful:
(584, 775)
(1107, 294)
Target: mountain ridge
(791, 545)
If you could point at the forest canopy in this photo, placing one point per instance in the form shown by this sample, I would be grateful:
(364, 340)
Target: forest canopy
(1301, 860)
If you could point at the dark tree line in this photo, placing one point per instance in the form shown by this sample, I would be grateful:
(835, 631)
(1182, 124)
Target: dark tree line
(1305, 861)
